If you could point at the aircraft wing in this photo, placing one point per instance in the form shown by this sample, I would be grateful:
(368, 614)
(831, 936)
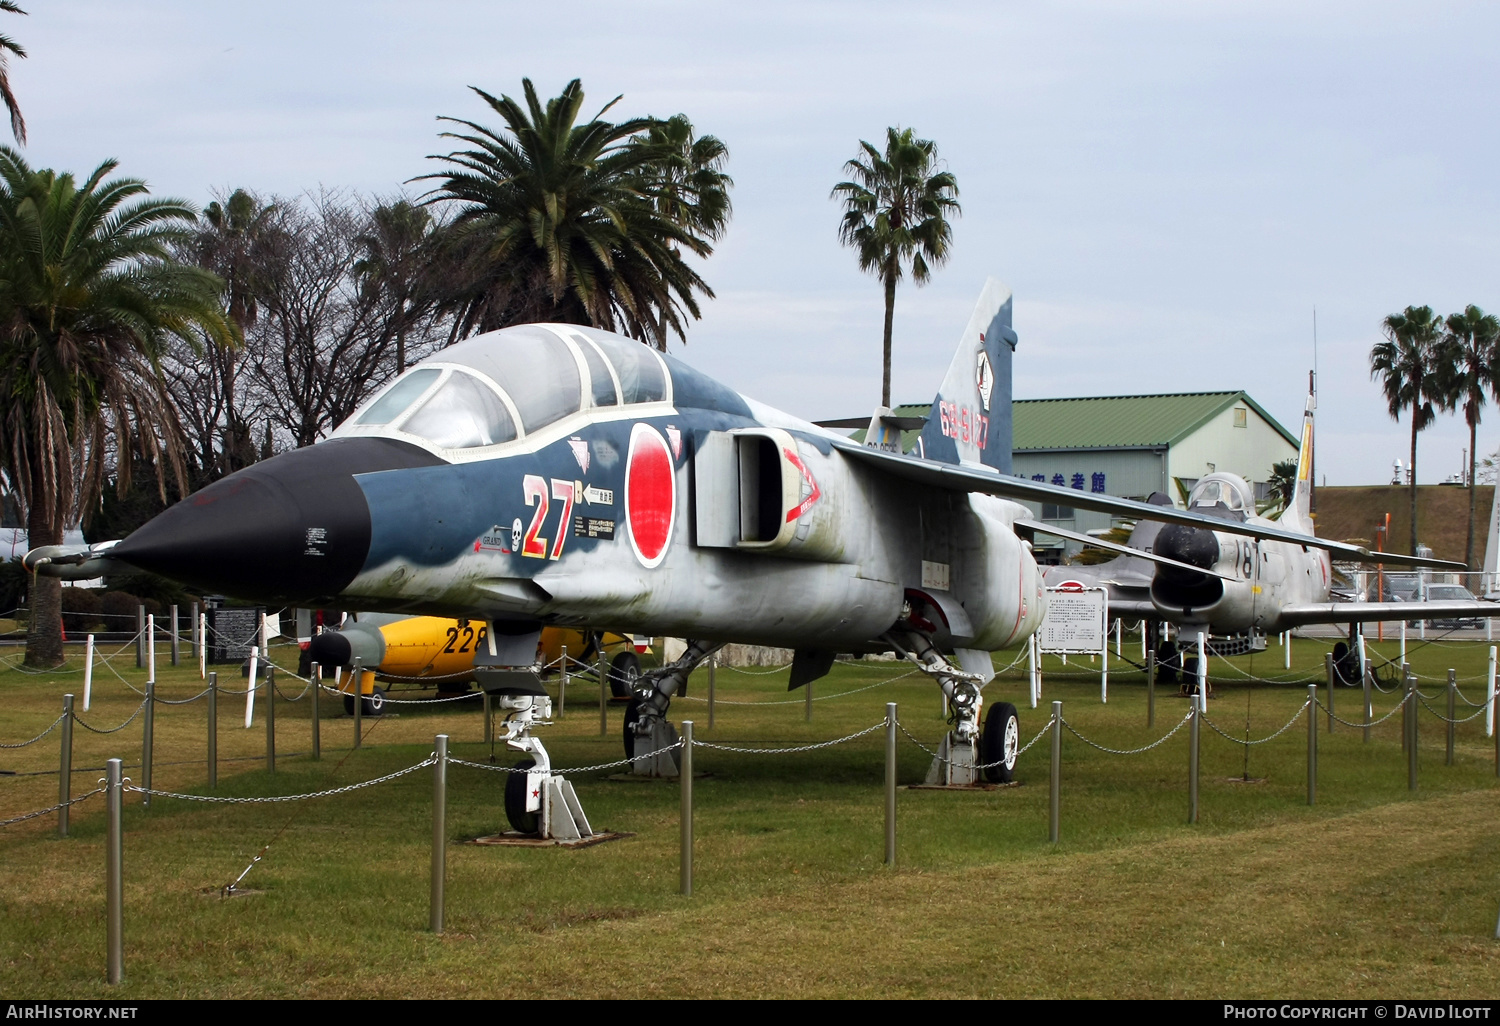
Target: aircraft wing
(1302, 614)
(971, 478)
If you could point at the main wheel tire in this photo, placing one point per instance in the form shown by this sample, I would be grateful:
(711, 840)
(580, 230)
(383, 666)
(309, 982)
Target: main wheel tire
(1345, 663)
(1190, 675)
(624, 671)
(374, 703)
(632, 713)
(1166, 663)
(1000, 742)
(515, 800)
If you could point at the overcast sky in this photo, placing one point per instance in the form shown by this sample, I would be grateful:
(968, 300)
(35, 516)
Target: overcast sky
(1170, 189)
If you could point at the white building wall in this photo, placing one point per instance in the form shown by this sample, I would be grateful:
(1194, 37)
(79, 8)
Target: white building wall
(1248, 451)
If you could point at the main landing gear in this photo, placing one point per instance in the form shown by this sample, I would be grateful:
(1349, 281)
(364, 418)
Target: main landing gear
(537, 801)
(647, 732)
(967, 746)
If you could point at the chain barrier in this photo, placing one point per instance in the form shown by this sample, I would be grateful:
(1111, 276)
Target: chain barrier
(111, 730)
(303, 694)
(60, 805)
(182, 701)
(975, 766)
(1472, 705)
(755, 673)
(1270, 737)
(431, 760)
(1132, 751)
(573, 769)
(1473, 715)
(788, 751)
(43, 734)
(403, 701)
(1372, 723)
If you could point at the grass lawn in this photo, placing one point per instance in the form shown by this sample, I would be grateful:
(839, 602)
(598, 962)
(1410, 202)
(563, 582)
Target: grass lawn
(1376, 891)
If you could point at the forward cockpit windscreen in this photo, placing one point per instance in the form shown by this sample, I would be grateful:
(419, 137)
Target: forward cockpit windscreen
(523, 379)
(1221, 490)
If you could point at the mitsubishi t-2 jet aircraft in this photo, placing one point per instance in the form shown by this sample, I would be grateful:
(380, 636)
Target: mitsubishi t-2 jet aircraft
(551, 474)
(1243, 588)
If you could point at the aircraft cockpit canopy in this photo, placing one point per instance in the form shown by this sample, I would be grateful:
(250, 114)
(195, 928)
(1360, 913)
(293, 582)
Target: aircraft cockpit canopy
(1225, 490)
(506, 384)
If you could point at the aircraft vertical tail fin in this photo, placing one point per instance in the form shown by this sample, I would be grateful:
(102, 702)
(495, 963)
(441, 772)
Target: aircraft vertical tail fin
(1297, 515)
(970, 418)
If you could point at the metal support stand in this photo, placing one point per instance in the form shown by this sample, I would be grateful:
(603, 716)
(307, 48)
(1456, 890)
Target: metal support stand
(562, 688)
(114, 873)
(88, 671)
(890, 783)
(1054, 803)
(439, 833)
(271, 720)
(1369, 702)
(65, 767)
(213, 730)
(176, 638)
(686, 814)
(807, 704)
(1312, 744)
(146, 742)
(1197, 714)
(713, 665)
(151, 647)
(559, 814)
(315, 672)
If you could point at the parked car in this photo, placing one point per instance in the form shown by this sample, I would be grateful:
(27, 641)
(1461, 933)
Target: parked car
(1452, 593)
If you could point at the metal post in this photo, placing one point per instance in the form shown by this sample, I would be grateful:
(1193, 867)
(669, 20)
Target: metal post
(271, 720)
(1411, 729)
(685, 772)
(1150, 686)
(890, 783)
(439, 833)
(1403, 641)
(202, 644)
(1104, 675)
(193, 632)
(1119, 638)
(114, 874)
(140, 636)
(562, 689)
(151, 647)
(146, 740)
(489, 720)
(176, 639)
(1055, 805)
(1196, 713)
(357, 680)
(316, 673)
(89, 671)
(1202, 673)
(1312, 744)
(213, 729)
(807, 713)
(1369, 703)
(1452, 712)
(603, 691)
(65, 767)
(250, 686)
(1489, 715)
(1286, 648)
(1332, 689)
(713, 664)
(1406, 684)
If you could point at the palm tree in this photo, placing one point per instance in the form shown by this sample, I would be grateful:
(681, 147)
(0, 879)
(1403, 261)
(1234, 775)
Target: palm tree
(9, 46)
(896, 214)
(89, 296)
(689, 182)
(397, 246)
(231, 242)
(1472, 342)
(558, 220)
(1409, 365)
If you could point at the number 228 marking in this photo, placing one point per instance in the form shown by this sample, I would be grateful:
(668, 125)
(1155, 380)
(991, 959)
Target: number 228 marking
(535, 489)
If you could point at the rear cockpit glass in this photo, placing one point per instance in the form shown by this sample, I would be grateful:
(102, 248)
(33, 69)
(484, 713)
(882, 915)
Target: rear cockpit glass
(641, 376)
(399, 396)
(535, 367)
(463, 413)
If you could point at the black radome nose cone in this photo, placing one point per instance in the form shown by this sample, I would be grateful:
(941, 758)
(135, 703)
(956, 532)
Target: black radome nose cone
(294, 528)
(1195, 546)
(330, 649)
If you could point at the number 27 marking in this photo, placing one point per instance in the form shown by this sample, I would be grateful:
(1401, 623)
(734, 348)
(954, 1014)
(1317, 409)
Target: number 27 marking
(535, 489)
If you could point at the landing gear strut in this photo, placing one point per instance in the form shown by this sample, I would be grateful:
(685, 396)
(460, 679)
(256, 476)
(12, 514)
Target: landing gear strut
(647, 731)
(537, 801)
(962, 749)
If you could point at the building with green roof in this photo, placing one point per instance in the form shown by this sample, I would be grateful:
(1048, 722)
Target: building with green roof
(1133, 445)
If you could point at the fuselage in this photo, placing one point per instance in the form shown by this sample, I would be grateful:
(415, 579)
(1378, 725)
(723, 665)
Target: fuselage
(551, 474)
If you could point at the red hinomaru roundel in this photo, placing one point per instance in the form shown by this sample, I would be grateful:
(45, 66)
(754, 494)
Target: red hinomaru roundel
(650, 494)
